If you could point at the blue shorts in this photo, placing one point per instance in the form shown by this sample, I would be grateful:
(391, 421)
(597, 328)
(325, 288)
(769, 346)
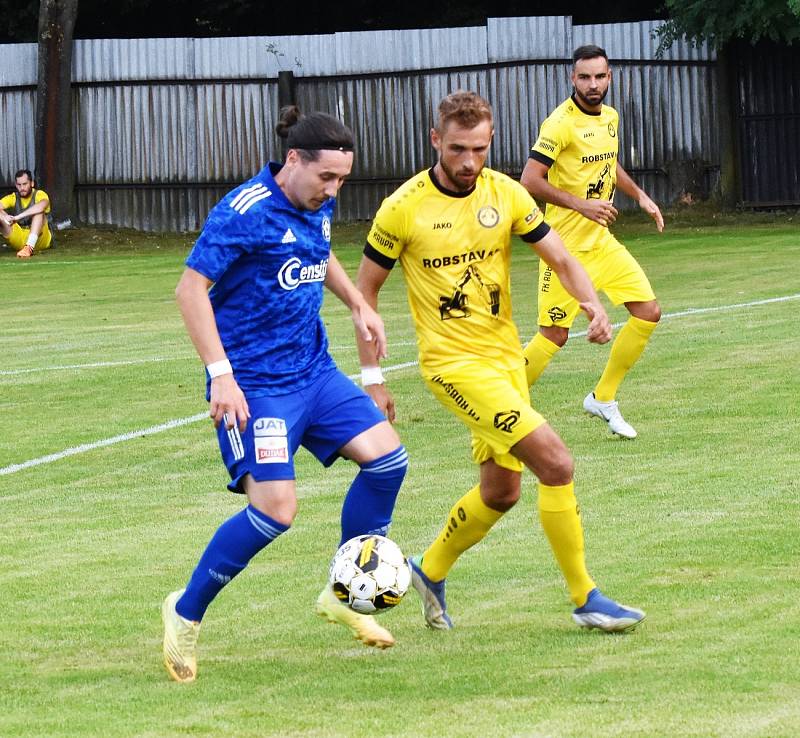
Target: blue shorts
(322, 417)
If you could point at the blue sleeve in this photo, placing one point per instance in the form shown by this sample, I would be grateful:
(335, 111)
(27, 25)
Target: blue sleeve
(226, 237)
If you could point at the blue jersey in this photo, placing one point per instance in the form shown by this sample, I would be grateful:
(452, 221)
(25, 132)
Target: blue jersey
(268, 262)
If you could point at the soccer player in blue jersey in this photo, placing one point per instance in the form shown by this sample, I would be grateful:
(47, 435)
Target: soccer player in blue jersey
(250, 297)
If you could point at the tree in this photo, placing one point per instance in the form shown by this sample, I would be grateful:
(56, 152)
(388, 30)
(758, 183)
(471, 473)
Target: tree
(722, 21)
(55, 167)
(725, 24)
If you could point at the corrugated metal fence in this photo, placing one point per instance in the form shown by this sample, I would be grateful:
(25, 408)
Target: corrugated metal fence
(768, 111)
(163, 127)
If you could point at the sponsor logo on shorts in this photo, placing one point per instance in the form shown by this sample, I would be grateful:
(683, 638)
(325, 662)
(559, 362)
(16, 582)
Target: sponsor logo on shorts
(271, 449)
(547, 277)
(456, 397)
(269, 427)
(506, 420)
(556, 313)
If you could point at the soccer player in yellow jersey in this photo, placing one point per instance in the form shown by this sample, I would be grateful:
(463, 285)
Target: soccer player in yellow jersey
(450, 228)
(573, 166)
(25, 227)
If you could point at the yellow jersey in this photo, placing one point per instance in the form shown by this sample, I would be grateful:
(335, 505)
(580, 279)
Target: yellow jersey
(455, 251)
(581, 150)
(8, 203)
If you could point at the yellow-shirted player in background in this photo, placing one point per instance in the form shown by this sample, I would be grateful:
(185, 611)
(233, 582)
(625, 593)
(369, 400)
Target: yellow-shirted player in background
(450, 228)
(23, 217)
(573, 166)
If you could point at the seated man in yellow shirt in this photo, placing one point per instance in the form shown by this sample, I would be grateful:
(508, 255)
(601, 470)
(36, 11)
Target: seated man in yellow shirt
(23, 217)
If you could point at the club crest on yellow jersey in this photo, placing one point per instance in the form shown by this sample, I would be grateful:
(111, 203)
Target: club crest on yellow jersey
(488, 216)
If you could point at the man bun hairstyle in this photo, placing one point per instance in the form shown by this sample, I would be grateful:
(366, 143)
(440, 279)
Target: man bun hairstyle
(311, 133)
(590, 51)
(466, 108)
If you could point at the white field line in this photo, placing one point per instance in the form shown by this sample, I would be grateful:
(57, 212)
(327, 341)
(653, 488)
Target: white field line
(396, 367)
(135, 434)
(699, 311)
(131, 362)
(100, 444)
(94, 365)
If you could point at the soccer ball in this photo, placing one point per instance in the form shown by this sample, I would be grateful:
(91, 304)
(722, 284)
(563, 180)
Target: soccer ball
(369, 574)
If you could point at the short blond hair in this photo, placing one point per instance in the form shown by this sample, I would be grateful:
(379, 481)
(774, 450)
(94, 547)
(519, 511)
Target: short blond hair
(466, 108)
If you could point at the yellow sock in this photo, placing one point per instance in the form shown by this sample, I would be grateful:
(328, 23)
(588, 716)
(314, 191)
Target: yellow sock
(625, 352)
(537, 356)
(469, 521)
(558, 511)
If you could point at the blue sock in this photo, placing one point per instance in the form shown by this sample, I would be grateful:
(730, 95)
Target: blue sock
(229, 551)
(370, 500)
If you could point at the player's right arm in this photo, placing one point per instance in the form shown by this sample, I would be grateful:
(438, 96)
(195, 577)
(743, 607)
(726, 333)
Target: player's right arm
(554, 136)
(534, 179)
(5, 217)
(577, 282)
(369, 281)
(226, 397)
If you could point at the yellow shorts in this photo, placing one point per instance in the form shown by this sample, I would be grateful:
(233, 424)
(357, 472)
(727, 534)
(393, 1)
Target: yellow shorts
(19, 237)
(612, 269)
(494, 404)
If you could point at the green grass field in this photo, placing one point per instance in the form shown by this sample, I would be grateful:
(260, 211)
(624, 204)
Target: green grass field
(696, 521)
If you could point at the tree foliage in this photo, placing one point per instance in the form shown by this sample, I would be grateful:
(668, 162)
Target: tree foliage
(721, 21)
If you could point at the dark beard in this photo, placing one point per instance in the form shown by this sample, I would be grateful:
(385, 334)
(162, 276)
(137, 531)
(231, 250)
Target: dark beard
(588, 103)
(451, 175)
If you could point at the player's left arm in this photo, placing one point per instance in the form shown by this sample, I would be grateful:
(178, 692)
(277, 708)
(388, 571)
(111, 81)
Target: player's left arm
(577, 282)
(630, 188)
(368, 323)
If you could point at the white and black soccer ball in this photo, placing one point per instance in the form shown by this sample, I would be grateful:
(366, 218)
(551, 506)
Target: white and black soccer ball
(369, 574)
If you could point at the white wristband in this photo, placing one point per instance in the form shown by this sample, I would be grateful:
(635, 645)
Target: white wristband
(218, 368)
(371, 375)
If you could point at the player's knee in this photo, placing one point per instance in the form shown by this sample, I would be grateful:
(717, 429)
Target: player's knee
(277, 501)
(282, 511)
(649, 311)
(501, 497)
(555, 334)
(655, 315)
(389, 470)
(559, 470)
